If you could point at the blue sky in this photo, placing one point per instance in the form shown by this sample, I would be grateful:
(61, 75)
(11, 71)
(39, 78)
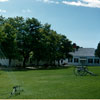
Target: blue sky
(79, 20)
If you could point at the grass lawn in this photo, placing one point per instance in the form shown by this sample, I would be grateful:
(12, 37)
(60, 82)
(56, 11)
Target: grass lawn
(51, 84)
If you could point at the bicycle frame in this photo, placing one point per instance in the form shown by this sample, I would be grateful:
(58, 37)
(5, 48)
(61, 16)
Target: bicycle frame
(82, 71)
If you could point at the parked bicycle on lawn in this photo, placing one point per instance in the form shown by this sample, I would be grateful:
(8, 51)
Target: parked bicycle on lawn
(82, 71)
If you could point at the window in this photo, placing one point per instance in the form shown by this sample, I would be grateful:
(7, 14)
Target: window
(70, 60)
(96, 61)
(90, 61)
(76, 60)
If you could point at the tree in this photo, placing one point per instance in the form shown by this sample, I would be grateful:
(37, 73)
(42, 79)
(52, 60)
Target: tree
(2, 38)
(9, 44)
(2, 20)
(28, 38)
(2, 34)
(97, 51)
(63, 49)
(46, 42)
(75, 46)
(53, 46)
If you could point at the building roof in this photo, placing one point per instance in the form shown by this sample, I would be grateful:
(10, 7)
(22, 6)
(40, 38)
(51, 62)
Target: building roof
(83, 52)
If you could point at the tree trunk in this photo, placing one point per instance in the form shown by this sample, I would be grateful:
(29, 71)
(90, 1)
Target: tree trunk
(24, 62)
(50, 62)
(38, 62)
(54, 63)
(10, 62)
(58, 62)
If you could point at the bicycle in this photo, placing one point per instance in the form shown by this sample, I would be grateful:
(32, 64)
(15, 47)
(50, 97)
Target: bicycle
(82, 71)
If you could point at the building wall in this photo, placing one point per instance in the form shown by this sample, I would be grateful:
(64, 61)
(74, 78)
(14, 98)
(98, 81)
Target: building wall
(5, 62)
(62, 62)
(90, 61)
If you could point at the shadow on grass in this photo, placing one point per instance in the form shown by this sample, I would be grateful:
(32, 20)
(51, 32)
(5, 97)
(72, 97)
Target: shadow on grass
(5, 68)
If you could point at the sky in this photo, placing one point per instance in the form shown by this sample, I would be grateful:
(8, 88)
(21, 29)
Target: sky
(79, 20)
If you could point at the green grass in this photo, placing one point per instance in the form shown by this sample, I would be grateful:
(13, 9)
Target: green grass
(51, 84)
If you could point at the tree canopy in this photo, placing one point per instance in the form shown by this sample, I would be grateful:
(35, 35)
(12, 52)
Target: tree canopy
(97, 51)
(23, 39)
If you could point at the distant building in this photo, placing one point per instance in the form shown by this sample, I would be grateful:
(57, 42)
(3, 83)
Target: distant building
(84, 55)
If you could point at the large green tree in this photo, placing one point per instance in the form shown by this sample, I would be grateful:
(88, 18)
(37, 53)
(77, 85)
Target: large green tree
(28, 38)
(97, 51)
(63, 49)
(9, 44)
(2, 38)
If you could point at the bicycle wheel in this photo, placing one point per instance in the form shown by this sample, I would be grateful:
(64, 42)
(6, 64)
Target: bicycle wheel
(86, 71)
(75, 71)
(80, 71)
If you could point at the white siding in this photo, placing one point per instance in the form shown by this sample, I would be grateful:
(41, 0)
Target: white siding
(4, 62)
(13, 63)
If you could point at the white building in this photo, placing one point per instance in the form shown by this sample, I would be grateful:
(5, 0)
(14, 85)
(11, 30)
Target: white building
(84, 54)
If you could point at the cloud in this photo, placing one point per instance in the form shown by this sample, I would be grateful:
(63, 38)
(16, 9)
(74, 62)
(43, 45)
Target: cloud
(84, 3)
(49, 1)
(26, 11)
(3, 0)
(2, 11)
